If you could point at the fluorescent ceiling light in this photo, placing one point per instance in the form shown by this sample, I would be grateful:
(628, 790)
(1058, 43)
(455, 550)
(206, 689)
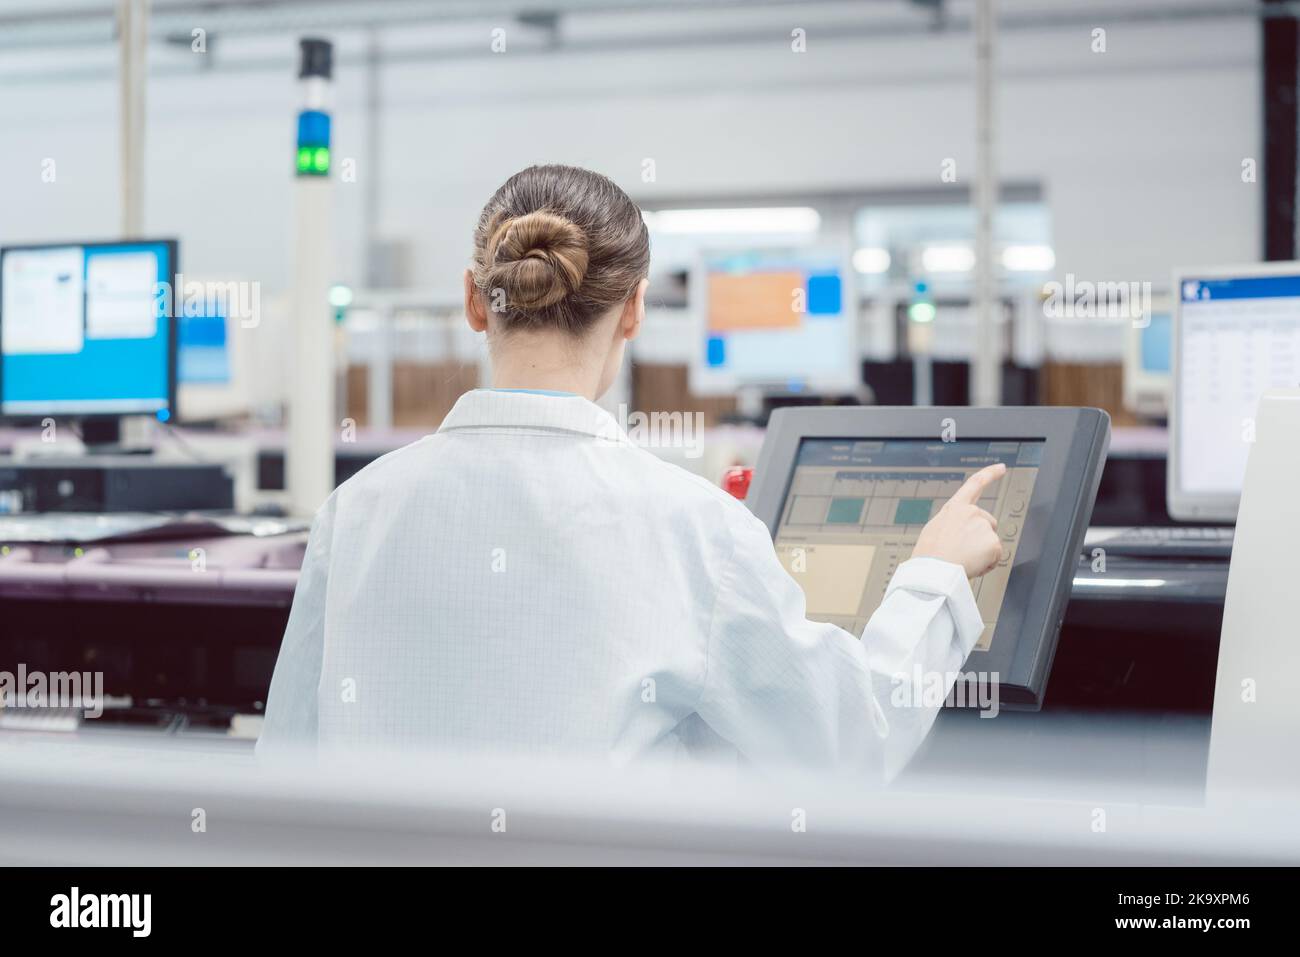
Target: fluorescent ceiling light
(1028, 258)
(776, 219)
(871, 259)
(947, 258)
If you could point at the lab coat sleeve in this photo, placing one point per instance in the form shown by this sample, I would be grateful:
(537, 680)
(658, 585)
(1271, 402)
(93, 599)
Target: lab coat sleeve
(784, 689)
(292, 707)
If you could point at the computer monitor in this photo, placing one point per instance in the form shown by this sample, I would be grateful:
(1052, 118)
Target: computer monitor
(214, 322)
(778, 321)
(846, 491)
(1236, 333)
(86, 330)
(204, 348)
(856, 507)
(1148, 360)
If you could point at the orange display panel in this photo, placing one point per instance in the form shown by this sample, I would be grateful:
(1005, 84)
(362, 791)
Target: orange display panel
(762, 300)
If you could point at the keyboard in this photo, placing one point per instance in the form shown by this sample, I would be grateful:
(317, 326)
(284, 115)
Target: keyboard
(1177, 541)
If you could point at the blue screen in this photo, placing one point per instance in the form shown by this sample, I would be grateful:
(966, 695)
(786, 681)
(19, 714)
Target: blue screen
(203, 356)
(1156, 343)
(1244, 287)
(84, 329)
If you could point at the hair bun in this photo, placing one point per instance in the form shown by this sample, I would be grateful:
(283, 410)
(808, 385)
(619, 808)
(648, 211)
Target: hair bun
(537, 259)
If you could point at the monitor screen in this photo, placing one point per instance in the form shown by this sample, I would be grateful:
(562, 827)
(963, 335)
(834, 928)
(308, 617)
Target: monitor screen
(84, 329)
(1156, 344)
(781, 321)
(1237, 337)
(856, 506)
(203, 354)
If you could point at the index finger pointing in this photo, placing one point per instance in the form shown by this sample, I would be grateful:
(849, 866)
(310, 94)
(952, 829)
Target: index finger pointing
(970, 492)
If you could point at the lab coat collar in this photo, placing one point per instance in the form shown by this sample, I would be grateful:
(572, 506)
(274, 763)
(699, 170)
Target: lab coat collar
(481, 409)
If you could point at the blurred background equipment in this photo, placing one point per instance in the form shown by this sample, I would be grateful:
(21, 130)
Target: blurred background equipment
(775, 323)
(312, 405)
(215, 322)
(1236, 334)
(1148, 360)
(87, 333)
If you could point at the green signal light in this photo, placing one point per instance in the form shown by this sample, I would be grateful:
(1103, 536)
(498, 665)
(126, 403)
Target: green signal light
(313, 160)
(921, 311)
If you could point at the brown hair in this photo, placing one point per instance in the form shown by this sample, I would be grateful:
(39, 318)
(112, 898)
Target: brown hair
(556, 247)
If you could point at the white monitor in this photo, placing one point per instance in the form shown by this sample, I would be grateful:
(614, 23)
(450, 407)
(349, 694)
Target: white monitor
(780, 321)
(1236, 333)
(215, 322)
(1148, 360)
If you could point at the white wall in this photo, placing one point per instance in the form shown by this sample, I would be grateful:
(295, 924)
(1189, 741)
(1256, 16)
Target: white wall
(1139, 149)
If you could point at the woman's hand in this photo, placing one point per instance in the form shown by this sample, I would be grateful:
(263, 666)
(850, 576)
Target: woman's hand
(962, 532)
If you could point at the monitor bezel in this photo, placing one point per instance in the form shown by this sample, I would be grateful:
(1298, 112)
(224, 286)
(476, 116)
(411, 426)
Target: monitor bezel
(29, 418)
(706, 381)
(1074, 451)
(1183, 505)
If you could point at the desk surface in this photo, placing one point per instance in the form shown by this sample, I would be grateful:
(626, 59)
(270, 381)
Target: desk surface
(243, 569)
(260, 571)
(1125, 442)
(79, 807)
(193, 635)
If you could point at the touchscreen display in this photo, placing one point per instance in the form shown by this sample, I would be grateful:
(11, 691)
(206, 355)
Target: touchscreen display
(856, 506)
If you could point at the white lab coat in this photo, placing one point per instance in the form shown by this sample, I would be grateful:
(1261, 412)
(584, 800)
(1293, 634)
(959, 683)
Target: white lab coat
(527, 579)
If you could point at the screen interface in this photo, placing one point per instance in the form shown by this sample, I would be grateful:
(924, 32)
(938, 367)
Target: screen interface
(779, 319)
(1157, 344)
(81, 329)
(1238, 337)
(856, 506)
(203, 357)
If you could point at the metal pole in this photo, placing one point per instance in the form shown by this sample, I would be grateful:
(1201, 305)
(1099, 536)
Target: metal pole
(380, 396)
(133, 37)
(370, 171)
(986, 371)
(309, 470)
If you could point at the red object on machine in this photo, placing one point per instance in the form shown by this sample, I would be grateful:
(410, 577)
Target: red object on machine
(737, 479)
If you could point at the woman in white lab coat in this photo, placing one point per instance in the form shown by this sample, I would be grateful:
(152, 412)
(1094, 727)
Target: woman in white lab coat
(528, 580)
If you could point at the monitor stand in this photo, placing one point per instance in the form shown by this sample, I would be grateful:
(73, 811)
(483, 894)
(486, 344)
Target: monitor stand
(756, 408)
(750, 405)
(751, 408)
(103, 436)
